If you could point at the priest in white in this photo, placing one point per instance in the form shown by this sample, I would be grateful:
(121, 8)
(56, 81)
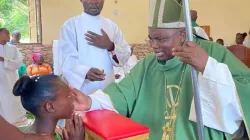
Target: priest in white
(91, 45)
(10, 60)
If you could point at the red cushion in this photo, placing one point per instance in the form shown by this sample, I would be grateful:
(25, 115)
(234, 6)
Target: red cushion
(112, 126)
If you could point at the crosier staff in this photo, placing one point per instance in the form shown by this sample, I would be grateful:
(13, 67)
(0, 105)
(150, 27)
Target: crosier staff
(196, 93)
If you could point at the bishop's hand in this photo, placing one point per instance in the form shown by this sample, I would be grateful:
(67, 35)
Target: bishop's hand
(100, 41)
(192, 54)
(82, 102)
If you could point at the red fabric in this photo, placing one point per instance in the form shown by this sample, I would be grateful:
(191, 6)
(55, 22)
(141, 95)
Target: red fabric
(112, 126)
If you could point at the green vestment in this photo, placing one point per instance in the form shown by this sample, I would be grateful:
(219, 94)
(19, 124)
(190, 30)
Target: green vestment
(194, 24)
(141, 94)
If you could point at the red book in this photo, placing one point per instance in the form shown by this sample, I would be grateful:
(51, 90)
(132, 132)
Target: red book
(108, 125)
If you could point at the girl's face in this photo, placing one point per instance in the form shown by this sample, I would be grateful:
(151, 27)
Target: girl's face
(239, 39)
(63, 104)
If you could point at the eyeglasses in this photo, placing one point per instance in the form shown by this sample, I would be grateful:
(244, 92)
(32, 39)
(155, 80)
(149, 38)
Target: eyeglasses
(151, 41)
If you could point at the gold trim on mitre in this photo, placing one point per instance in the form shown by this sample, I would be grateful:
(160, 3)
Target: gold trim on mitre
(156, 10)
(152, 5)
(167, 25)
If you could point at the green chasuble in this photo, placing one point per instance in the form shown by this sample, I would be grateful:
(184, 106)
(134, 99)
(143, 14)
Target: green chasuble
(194, 24)
(152, 86)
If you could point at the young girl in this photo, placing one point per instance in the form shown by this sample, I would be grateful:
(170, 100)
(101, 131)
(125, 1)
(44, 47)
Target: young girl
(240, 37)
(49, 98)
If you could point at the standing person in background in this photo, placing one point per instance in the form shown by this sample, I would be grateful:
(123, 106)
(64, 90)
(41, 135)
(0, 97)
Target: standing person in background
(16, 37)
(10, 60)
(197, 29)
(220, 41)
(194, 17)
(91, 45)
(240, 37)
(38, 67)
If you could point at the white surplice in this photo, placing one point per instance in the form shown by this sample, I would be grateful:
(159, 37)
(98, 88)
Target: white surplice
(200, 32)
(219, 104)
(122, 71)
(79, 57)
(132, 61)
(10, 106)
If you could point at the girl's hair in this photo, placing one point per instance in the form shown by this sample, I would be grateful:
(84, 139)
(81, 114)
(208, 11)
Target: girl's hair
(244, 35)
(35, 90)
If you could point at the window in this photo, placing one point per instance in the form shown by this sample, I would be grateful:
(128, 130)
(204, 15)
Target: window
(35, 24)
(22, 15)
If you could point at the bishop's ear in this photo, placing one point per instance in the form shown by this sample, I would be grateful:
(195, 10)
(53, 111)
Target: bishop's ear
(183, 36)
(49, 107)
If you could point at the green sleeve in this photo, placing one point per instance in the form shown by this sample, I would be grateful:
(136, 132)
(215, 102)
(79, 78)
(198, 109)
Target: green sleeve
(125, 93)
(194, 24)
(241, 76)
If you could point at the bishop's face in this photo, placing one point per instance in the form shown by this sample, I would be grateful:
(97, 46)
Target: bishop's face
(93, 7)
(164, 40)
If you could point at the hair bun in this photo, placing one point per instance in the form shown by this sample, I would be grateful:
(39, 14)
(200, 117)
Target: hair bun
(244, 34)
(21, 86)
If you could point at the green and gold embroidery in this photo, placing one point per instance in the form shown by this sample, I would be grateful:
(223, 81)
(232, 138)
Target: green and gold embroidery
(172, 103)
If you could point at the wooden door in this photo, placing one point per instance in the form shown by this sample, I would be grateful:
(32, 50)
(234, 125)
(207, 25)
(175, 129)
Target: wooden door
(206, 28)
(35, 21)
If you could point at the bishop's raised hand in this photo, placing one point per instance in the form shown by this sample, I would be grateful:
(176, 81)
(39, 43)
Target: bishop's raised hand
(192, 54)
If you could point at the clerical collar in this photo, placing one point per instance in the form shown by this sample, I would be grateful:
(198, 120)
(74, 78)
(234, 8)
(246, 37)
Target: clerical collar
(169, 64)
(90, 16)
